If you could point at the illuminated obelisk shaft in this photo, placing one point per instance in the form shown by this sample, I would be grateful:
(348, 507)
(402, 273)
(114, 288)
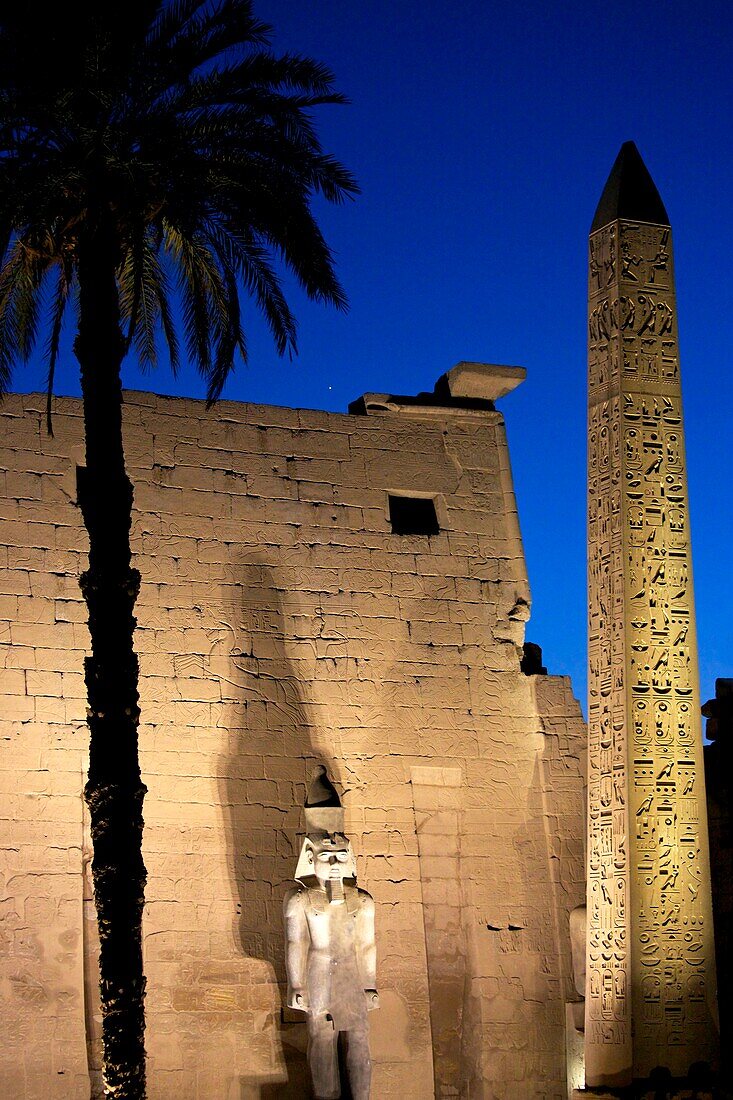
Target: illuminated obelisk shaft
(650, 992)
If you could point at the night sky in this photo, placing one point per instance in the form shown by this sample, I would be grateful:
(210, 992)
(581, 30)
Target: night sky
(482, 134)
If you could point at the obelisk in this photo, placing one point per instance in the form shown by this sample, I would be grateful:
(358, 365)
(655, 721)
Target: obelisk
(650, 992)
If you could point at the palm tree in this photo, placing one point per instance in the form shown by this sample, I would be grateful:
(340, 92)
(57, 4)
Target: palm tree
(155, 160)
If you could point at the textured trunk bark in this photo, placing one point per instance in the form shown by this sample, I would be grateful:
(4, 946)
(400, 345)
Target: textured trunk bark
(114, 791)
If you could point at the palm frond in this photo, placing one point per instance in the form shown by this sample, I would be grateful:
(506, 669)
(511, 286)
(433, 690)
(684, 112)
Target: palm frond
(130, 280)
(21, 283)
(260, 74)
(28, 304)
(159, 283)
(205, 33)
(170, 19)
(147, 321)
(193, 286)
(251, 263)
(58, 308)
(229, 336)
(9, 342)
(202, 142)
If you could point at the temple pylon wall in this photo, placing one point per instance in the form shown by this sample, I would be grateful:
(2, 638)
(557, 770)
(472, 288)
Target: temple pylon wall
(282, 623)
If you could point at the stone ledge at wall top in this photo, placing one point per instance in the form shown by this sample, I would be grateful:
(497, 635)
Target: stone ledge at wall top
(467, 387)
(472, 387)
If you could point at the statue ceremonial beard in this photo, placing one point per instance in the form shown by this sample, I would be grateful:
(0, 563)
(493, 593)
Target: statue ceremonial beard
(335, 887)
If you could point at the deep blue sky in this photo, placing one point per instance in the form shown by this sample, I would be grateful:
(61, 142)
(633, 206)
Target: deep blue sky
(481, 133)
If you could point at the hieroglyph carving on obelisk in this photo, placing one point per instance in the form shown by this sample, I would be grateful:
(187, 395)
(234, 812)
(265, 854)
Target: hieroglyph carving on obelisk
(650, 992)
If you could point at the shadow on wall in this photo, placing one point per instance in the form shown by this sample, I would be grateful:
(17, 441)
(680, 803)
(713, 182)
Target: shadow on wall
(262, 780)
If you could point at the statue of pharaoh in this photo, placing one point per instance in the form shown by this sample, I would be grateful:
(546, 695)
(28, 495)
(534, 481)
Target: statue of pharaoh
(330, 953)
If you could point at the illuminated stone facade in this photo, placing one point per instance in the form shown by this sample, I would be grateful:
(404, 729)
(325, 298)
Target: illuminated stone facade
(281, 623)
(650, 992)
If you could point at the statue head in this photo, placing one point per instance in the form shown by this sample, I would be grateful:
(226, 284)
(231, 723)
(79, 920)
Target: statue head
(327, 857)
(326, 854)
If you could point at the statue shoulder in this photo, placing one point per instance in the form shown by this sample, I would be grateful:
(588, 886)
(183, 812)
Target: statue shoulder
(293, 900)
(366, 901)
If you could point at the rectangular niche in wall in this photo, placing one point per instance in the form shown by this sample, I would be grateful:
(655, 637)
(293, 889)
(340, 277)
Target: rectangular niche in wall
(413, 515)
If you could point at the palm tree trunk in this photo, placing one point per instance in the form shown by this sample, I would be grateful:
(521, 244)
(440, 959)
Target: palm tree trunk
(114, 791)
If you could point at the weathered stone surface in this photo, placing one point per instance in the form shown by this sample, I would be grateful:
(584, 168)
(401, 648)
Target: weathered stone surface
(483, 381)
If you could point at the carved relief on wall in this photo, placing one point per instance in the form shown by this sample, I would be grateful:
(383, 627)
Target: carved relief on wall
(608, 872)
(632, 330)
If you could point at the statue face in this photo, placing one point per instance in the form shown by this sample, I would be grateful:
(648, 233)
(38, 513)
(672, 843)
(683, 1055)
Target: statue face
(331, 858)
(327, 857)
